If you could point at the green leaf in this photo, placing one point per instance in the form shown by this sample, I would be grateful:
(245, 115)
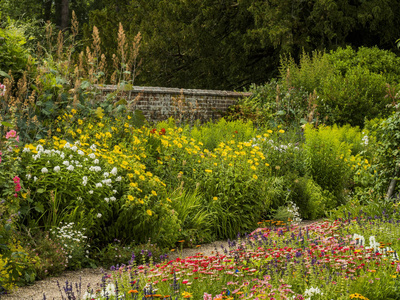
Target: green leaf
(7, 124)
(4, 74)
(39, 207)
(40, 191)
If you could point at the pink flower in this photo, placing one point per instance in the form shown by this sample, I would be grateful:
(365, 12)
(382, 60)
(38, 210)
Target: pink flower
(16, 179)
(11, 134)
(16, 195)
(398, 268)
(207, 296)
(17, 187)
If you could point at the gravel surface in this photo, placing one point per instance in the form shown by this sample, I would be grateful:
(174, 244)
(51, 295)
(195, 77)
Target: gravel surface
(92, 277)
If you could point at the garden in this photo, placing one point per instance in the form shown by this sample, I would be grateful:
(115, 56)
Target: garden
(87, 182)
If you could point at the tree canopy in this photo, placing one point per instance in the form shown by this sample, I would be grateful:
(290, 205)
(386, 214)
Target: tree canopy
(223, 44)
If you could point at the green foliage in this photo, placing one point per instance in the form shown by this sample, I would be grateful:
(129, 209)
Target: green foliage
(273, 104)
(388, 150)
(53, 258)
(14, 53)
(212, 134)
(195, 219)
(116, 254)
(351, 86)
(327, 160)
(312, 200)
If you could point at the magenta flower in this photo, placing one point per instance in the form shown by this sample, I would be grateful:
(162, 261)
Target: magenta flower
(16, 179)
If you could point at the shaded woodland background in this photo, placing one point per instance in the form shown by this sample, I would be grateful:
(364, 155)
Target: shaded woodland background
(217, 44)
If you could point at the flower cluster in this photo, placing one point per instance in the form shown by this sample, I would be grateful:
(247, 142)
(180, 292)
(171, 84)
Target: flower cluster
(2, 89)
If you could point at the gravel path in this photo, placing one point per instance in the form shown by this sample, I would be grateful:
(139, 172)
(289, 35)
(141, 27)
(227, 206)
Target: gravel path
(92, 277)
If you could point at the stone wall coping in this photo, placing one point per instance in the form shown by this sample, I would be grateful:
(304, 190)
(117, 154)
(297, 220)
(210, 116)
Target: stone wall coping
(175, 91)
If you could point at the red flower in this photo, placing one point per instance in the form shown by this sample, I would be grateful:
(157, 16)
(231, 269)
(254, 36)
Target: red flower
(162, 131)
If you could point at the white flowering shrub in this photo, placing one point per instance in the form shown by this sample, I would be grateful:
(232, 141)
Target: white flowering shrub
(68, 183)
(74, 243)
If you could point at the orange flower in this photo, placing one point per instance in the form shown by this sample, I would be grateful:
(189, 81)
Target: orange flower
(133, 292)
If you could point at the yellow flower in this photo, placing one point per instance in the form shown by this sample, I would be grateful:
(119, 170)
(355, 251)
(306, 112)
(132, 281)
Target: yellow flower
(208, 171)
(73, 111)
(24, 195)
(169, 200)
(58, 130)
(100, 125)
(130, 198)
(149, 212)
(255, 176)
(80, 122)
(140, 201)
(141, 177)
(79, 131)
(133, 184)
(187, 295)
(154, 193)
(269, 131)
(215, 198)
(281, 131)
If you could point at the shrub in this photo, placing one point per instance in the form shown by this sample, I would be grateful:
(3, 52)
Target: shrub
(14, 53)
(327, 160)
(312, 200)
(350, 85)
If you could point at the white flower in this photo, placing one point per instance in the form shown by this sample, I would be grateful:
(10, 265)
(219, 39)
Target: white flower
(74, 148)
(90, 192)
(66, 163)
(26, 150)
(84, 180)
(67, 145)
(359, 239)
(62, 155)
(107, 182)
(114, 171)
(115, 191)
(47, 152)
(96, 161)
(365, 140)
(99, 215)
(93, 147)
(88, 296)
(92, 155)
(28, 176)
(95, 168)
(56, 169)
(44, 170)
(39, 148)
(112, 198)
(80, 152)
(34, 178)
(70, 168)
(106, 174)
(119, 178)
(77, 142)
(107, 199)
(99, 185)
(312, 291)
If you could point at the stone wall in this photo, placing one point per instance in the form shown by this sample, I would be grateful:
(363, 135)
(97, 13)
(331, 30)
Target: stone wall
(161, 103)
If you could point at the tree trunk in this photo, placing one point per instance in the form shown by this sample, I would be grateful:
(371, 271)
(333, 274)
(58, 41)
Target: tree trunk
(64, 14)
(47, 9)
(392, 184)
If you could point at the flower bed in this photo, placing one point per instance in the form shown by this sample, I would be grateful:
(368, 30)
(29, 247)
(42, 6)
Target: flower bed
(325, 260)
